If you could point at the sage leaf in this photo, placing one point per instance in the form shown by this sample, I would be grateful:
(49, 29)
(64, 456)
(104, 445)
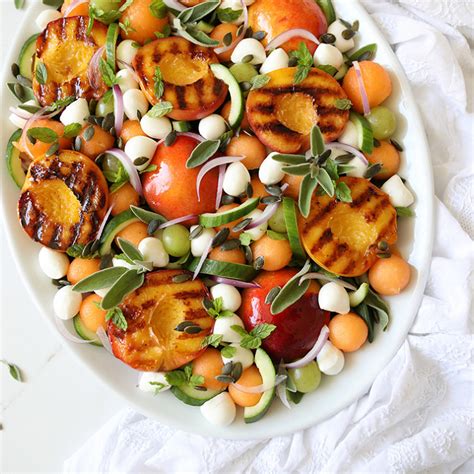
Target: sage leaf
(14, 371)
(325, 182)
(41, 73)
(307, 188)
(160, 109)
(193, 14)
(297, 170)
(378, 304)
(130, 250)
(146, 216)
(317, 141)
(343, 192)
(128, 282)
(99, 280)
(202, 153)
(363, 311)
(289, 159)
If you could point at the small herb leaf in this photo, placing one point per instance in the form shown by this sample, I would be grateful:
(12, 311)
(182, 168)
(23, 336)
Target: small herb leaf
(202, 153)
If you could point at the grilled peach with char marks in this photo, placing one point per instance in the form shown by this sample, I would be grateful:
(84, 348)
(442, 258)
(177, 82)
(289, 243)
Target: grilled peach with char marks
(343, 237)
(189, 83)
(63, 200)
(64, 51)
(283, 113)
(153, 311)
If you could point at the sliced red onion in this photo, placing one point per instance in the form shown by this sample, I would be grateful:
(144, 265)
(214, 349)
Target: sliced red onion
(313, 353)
(175, 5)
(129, 168)
(236, 283)
(223, 49)
(202, 259)
(72, 6)
(191, 135)
(260, 388)
(104, 222)
(322, 276)
(23, 114)
(281, 389)
(349, 149)
(64, 331)
(93, 73)
(178, 220)
(104, 339)
(223, 160)
(290, 34)
(363, 92)
(264, 217)
(118, 108)
(28, 124)
(220, 185)
(129, 68)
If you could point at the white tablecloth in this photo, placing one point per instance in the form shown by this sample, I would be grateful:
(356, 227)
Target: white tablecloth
(417, 417)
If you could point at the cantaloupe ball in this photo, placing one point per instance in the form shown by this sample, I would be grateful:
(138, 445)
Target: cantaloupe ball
(81, 268)
(90, 314)
(250, 378)
(134, 233)
(123, 198)
(388, 156)
(209, 364)
(276, 253)
(225, 112)
(250, 147)
(218, 34)
(130, 129)
(232, 256)
(389, 276)
(348, 332)
(294, 183)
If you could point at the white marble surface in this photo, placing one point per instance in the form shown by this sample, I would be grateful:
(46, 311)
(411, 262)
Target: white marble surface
(60, 404)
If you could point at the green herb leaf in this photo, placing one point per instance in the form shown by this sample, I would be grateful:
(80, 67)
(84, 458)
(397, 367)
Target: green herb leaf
(158, 9)
(317, 141)
(41, 73)
(343, 104)
(325, 182)
(228, 15)
(378, 304)
(60, 103)
(117, 317)
(277, 235)
(195, 35)
(164, 33)
(343, 192)
(43, 134)
(259, 81)
(130, 250)
(307, 188)
(289, 159)
(149, 169)
(72, 130)
(196, 380)
(262, 331)
(332, 169)
(14, 371)
(146, 216)
(160, 109)
(228, 352)
(107, 73)
(202, 153)
(212, 340)
(239, 330)
(245, 238)
(176, 378)
(304, 62)
(159, 86)
(53, 3)
(404, 212)
(99, 280)
(19, 4)
(193, 14)
(159, 386)
(297, 170)
(128, 282)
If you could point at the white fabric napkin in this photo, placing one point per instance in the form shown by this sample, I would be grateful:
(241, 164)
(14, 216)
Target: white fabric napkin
(417, 417)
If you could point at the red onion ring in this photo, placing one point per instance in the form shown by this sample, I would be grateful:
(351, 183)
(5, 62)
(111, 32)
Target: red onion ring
(28, 124)
(202, 259)
(363, 92)
(349, 149)
(178, 220)
(191, 135)
(260, 388)
(129, 68)
(118, 108)
(267, 213)
(223, 160)
(220, 185)
(174, 5)
(93, 73)
(223, 49)
(313, 353)
(290, 34)
(104, 339)
(322, 276)
(129, 168)
(281, 389)
(61, 327)
(23, 114)
(236, 283)
(104, 222)
(72, 5)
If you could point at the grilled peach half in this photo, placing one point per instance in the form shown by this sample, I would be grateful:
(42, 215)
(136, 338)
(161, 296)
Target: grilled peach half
(63, 200)
(283, 113)
(153, 311)
(189, 83)
(343, 237)
(63, 51)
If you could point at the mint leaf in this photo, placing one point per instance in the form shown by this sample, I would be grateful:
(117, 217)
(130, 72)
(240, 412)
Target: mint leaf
(72, 130)
(14, 370)
(212, 340)
(259, 81)
(107, 73)
(343, 104)
(159, 86)
(43, 134)
(117, 317)
(304, 62)
(245, 238)
(41, 73)
(262, 330)
(158, 9)
(228, 352)
(343, 192)
(228, 15)
(176, 378)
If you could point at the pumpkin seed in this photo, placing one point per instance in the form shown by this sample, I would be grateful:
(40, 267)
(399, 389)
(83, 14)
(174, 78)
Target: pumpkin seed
(208, 304)
(355, 25)
(15, 69)
(230, 245)
(108, 121)
(249, 190)
(200, 388)
(258, 263)
(193, 330)
(245, 86)
(397, 145)
(273, 190)
(19, 91)
(77, 143)
(60, 282)
(270, 200)
(292, 62)
(328, 38)
(224, 378)
(367, 56)
(139, 115)
(248, 254)
(272, 294)
(92, 106)
(120, 143)
(383, 246)
(236, 371)
(170, 138)
(220, 237)
(242, 225)
(140, 161)
(196, 232)
(153, 226)
(348, 34)
(345, 23)
(248, 33)
(52, 149)
(372, 170)
(227, 40)
(226, 199)
(227, 368)
(259, 35)
(181, 278)
(24, 81)
(183, 325)
(89, 133)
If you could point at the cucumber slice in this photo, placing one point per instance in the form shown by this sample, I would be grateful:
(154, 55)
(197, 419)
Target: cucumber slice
(181, 126)
(236, 271)
(191, 396)
(328, 10)
(356, 297)
(25, 58)
(342, 72)
(118, 223)
(267, 371)
(85, 333)
(243, 72)
(291, 221)
(364, 130)
(111, 43)
(237, 99)
(331, 70)
(220, 218)
(13, 160)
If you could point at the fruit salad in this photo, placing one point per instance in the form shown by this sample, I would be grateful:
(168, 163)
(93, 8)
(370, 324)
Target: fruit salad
(215, 189)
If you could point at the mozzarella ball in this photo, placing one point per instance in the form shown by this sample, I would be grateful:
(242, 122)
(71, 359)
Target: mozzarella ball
(125, 52)
(102, 292)
(336, 29)
(233, 5)
(76, 112)
(270, 171)
(66, 303)
(359, 168)
(134, 101)
(212, 127)
(120, 262)
(327, 54)
(219, 410)
(334, 297)
(158, 127)
(236, 179)
(153, 382)
(231, 299)
(257, 232)
(54, 264)
(138, 147)
(153, 251)
(277, 59)
(126, 80)
(399, 194)
(223, 326)
(45, 17)
(200, 243)
(330, 359)
(18, 121)
(350, 135)
(242, 355)
(249, 47)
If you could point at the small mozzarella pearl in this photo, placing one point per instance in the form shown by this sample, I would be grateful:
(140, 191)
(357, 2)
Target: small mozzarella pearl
(153, 251)
(257, 232)
(200, 243)
(125, 52)
(350, 136)
(223, 326)
(219, 410)
(134, 100)
(76, 112)
(236, 179)
(54, 264)
(327, 54)
(120, 262)
(66, 302)
(334, 297)
(138, 147)
(246, 47)
(270, 171)
(359, 168)
(102, 292)
(158, 128)
(277, 59)
(330, 359)
(341, 44)
(399, 194)
(149, 379)
(212, 127)
(242, 355)
(231, 299)
(45, 17)
(125, 80)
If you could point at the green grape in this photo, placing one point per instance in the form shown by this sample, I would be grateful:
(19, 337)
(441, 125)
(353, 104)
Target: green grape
(383, 122)
(307, 378)
(176, 240)
(243, 72)
(113, 169)
(104, 106)
(277, 221)
(105, 5)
